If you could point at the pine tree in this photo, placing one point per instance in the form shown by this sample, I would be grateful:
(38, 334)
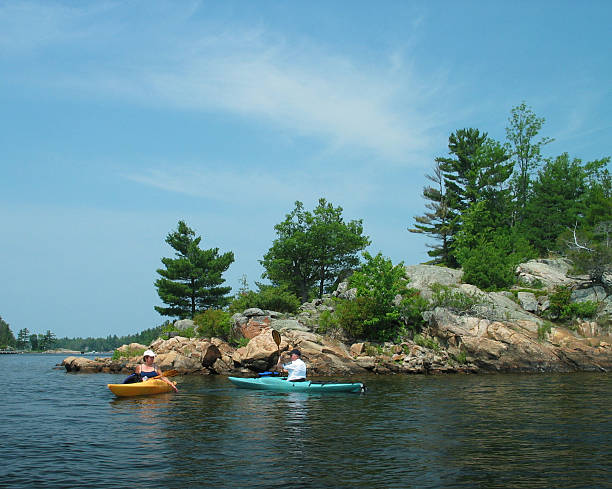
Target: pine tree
(6, 335)
(192, 282)
(557, 202)
(475, 172)
(436, 223)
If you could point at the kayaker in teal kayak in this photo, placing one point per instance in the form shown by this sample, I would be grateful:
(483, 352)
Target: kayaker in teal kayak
(296, 368)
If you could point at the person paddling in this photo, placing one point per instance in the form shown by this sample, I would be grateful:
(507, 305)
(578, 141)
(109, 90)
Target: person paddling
(296, 368)
(148, 369)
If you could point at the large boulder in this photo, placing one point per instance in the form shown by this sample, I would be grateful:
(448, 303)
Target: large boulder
(422, 277)
(512, 346)
(184, 324)
(550, 273)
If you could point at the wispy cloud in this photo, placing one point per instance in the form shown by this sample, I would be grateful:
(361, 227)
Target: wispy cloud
(267, 188)
(244, 71)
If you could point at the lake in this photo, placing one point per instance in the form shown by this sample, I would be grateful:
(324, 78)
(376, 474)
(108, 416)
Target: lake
(494, 431)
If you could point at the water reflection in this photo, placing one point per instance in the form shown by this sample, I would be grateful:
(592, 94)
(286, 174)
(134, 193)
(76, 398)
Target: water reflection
(423, 431)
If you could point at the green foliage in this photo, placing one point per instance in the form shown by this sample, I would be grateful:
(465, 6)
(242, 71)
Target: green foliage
(128, 353)
(213, 323)
(109, 343)
(191, 282)
(591, 251)
(556, 202)
(23, 339)
(487, 251)
(453, 299)
(268, 297)
(313, 248)
(426, 342)
(6, 335)
(543, 330)
(328, 322)
(47, 341)
(411, 310)
(487, 212)
(525, 151)
(562, 309)
(461, 358)
(376, 314)
(185, 332)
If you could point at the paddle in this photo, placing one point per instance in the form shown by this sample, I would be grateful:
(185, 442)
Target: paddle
(169, 373)
(277, 339)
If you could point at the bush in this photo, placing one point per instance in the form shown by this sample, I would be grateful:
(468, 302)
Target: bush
(169, 328)
(412, 308)
(453, 299)
(129, 353)
(269, 297)
(543, 330)
(561, 308)
(213, 323)
(425, 342)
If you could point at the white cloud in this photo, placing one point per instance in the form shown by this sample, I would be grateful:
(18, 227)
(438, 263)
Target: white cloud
(248, 72)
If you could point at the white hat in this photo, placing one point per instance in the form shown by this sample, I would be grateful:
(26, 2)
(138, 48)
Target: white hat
(149, 353)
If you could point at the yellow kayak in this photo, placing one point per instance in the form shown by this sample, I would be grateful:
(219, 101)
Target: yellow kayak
(147, 388)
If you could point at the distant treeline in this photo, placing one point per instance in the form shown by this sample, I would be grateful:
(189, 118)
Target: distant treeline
(110, 342)
(41, 342)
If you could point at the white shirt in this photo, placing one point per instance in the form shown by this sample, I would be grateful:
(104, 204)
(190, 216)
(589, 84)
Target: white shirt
(296, 369)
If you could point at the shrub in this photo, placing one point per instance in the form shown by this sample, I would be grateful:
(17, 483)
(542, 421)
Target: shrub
(268, 297)
(561, 308)
(544, 329)
(412, 308)
(130, 352)
(425, 342)
(328, 321)
(169, 328)
(451, 298)
(213, 323)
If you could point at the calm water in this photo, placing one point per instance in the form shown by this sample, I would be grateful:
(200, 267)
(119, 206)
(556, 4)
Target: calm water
(537, 431)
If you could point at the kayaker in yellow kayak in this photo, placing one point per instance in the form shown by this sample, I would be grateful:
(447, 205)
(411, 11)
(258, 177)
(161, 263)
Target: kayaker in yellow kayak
(296, 368)
(148, 369)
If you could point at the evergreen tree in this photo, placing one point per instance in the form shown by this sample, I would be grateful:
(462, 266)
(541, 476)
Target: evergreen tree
(6, 335)
(47, 341)
(557, 202)
(192, 282)
(475, 172)
(598, 194)
(436, 223)
(23, 339)
(313, 249)
(34, 342)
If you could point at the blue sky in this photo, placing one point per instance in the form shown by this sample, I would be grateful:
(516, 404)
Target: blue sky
(118, 118)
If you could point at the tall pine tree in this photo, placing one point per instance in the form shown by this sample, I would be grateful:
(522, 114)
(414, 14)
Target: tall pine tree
(192, 281)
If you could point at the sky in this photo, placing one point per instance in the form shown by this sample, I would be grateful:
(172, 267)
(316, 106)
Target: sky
(120, 118)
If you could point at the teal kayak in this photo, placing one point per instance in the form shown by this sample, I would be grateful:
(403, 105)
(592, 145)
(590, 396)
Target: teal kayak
(282, 385)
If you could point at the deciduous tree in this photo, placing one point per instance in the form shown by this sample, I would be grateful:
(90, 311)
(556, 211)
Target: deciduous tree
(313, 248)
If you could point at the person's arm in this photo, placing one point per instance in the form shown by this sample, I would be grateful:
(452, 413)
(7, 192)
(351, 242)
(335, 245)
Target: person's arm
(165, 379)
(137, 369)
(279, 365)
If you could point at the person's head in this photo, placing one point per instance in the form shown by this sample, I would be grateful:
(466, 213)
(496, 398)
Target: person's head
(148, 356)
(295, 354)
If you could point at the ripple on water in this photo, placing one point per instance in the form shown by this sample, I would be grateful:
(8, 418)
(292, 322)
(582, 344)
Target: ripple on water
(66, 430)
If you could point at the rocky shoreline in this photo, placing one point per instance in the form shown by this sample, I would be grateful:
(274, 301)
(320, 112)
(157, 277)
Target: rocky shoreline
(503, 332)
